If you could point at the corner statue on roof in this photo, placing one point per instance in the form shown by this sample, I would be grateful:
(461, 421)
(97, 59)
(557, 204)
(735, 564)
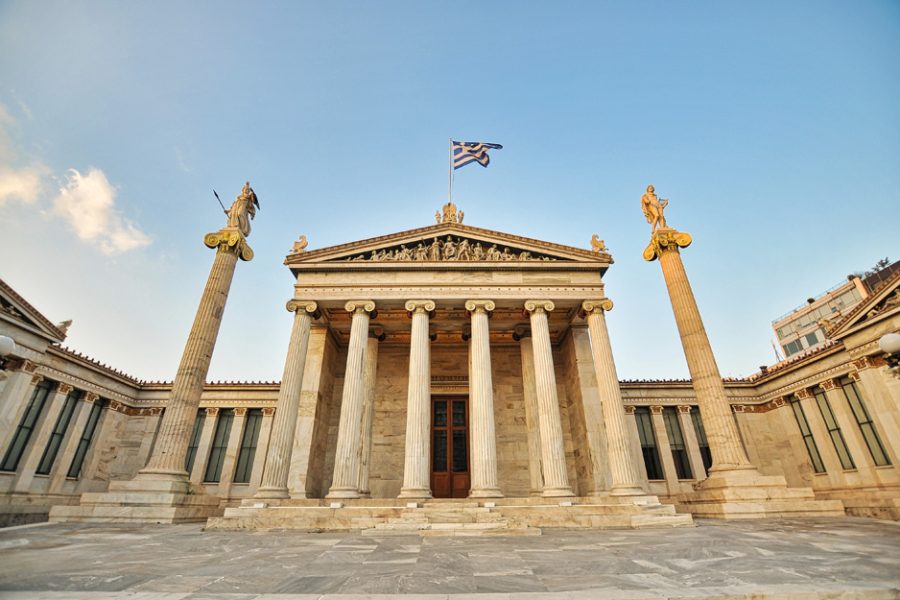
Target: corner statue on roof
(653, 209)
(243, 210)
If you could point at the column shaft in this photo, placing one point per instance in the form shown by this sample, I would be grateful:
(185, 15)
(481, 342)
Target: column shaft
(416, 475)
(553, 452)
(481, 400)
(345, 482)
(265, 435)
(721, 430)
(169, 453)
(532, 419)
(278, 455)
(621, 461)
(368, 419)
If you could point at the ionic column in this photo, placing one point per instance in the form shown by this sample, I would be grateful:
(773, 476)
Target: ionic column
(167, 458)
(721, 430)
(481, 398)
(416, 475)
(345, 482)
(553, 452)
(532, 419)
(368, 419)
(274, 482)
(624, 478)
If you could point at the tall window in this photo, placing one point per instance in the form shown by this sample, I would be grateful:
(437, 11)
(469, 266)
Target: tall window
(808, 439)
(701, 437)
(866, 426)
(834, 430)
(648, 442)
(84, 442)
(26, 426)
(219, 446)
(248, 446)
(195, 440)
(676, 443)
(59, 432)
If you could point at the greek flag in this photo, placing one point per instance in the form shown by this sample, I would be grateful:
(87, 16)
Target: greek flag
(467, 152)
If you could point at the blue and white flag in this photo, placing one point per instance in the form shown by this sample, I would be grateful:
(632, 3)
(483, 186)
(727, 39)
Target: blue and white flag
(467, 152)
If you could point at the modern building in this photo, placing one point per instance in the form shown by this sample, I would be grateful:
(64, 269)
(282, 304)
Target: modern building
(445, 362)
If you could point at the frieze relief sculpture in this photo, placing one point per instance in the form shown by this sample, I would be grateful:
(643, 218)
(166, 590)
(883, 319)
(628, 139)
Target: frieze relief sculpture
(449, 249)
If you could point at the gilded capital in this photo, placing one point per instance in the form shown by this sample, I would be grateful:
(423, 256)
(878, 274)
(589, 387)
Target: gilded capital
(419, 306)
(662, 240)
(212, 411)
(474, 306)
(803, 393)
(303, 305)
(91, 397)
(360, 305)
(830, 384)
(64, 388)
(539, 306)
(590, 307)
(229, 240)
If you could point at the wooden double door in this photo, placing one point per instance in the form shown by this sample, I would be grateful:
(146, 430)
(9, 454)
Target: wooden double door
(450, 446)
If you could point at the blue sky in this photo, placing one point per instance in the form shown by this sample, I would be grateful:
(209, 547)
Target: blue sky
(773, 127)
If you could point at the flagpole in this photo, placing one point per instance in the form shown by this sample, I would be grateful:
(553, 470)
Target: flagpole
(450, 170)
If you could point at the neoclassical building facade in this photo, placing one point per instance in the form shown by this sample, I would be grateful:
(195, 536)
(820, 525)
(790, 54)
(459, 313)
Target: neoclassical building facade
(440, 363)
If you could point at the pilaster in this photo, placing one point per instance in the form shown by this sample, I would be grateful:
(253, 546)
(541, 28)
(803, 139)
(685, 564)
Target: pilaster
(38, 442)
(204, 444)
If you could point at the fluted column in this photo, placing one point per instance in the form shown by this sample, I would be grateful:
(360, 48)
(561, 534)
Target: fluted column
(481, 401)
(624, 478)
(278, 455)
(553, 452)
(718, 421)
(416, 466)
(532, 419)
(368, 419)
(345, 482)
(167, 458)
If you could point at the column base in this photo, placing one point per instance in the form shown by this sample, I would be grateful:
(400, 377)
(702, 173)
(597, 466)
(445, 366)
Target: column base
(272, 493)
(627, 490)
(744, 493)
(486, 493)
(342, 493)
(415, 493)
(558, 493)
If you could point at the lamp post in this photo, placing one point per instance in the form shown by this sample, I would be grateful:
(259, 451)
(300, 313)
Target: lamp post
(7, 347)
(890, 345)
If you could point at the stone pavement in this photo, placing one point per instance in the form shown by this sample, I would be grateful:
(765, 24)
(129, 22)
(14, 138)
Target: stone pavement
(823, 558)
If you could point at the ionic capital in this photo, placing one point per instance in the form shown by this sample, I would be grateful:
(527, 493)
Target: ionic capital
(419, 306)
(803, 393)
(478, 306)
(64, 388)
(308, 306)
(830, 384)
(355, 306)
(229, 239)
(539, 306)
(663, 240)
(590, 307)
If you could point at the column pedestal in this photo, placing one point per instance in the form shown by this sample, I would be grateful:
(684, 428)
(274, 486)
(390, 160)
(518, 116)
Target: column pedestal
(734, 488)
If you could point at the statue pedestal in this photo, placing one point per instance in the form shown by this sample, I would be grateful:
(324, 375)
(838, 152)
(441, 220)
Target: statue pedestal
(747, 494)
(144, 499)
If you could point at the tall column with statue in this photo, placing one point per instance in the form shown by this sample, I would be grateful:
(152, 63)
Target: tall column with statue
(161, 491)
(721, 494)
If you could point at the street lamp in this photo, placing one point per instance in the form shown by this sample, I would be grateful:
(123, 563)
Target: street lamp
(7, 347)
(890, 345)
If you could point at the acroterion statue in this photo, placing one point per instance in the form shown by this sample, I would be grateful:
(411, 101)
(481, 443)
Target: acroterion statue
(653, 209)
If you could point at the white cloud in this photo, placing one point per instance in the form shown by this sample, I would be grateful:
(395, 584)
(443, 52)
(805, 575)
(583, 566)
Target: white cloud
(21, 184)
(88, 203)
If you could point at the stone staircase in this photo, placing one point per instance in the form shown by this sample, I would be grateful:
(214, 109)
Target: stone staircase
(463, 517)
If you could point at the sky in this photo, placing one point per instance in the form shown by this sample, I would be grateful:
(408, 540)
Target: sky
(772, 127)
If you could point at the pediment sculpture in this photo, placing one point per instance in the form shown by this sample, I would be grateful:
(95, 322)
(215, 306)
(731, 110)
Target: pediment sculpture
(449, 248)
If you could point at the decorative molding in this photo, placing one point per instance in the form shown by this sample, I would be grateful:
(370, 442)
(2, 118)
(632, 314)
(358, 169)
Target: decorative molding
(240, 411)
(212, 411)
(869, 362)
(656, 409)
(90, 397)
(629, 410)
(684, 408)
(804, 393)
(64, 388)
(268, 411)
(830, 384)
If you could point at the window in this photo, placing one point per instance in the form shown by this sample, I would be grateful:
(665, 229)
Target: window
(812, 338)
(648, 443)
(85, 441)
(248, 446)
(808, 439)
(676, 443)
(26, 426)
(59, 432)
(219, 445)
(701, 437)
(195, 440)
(866, 426)
(834, 430)
(793, 347)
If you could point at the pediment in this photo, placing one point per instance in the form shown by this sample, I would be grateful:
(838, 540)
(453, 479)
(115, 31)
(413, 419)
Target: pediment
(450, 245)
(16, 310)
(882, 303)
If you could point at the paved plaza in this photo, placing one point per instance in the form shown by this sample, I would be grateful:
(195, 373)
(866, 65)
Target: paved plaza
(833, 558)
